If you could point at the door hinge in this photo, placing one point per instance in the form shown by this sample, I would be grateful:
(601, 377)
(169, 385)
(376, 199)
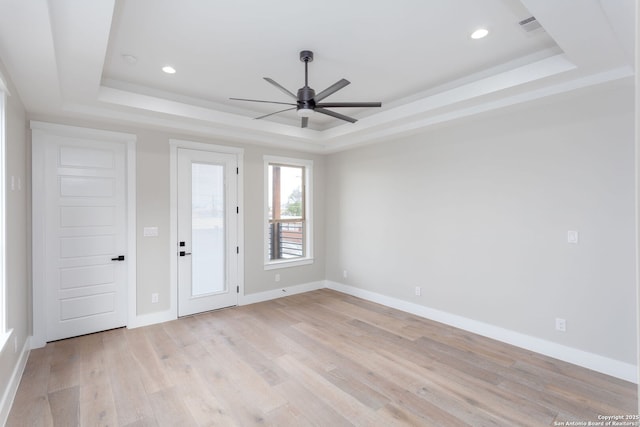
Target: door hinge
(237, 209)
(237, 171)
(237, 289)
(237, 249)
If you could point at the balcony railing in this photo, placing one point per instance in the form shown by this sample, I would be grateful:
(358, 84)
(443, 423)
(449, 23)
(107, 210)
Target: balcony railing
(289, 241)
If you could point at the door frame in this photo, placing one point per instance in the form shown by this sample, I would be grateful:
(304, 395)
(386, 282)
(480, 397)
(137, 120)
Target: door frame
(174, 145)
(40, 131)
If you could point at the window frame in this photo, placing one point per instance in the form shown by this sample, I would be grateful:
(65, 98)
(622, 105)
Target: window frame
(5, 332)
(307, 220)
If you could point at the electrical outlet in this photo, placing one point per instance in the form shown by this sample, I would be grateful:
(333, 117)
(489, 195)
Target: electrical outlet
(277, 277)
(418, 291)
(561, 325)
(154, 298)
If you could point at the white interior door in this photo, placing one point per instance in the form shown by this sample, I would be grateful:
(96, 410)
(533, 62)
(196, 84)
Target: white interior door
(207, 231)
(85, 234)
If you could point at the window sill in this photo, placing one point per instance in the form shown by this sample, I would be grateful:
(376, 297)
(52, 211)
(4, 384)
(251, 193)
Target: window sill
(273, 265)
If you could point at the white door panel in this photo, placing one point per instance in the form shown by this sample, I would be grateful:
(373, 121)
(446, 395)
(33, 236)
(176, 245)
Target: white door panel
(85, 228)
(72, 186)
(207, 231)
(78, 277)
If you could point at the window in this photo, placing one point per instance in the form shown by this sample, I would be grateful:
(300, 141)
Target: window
(288, 197)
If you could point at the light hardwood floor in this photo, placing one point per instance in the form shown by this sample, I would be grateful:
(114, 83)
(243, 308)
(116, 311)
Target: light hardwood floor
(321, 358)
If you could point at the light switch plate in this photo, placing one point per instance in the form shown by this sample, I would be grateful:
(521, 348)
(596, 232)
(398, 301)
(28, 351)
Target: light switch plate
(572, 236)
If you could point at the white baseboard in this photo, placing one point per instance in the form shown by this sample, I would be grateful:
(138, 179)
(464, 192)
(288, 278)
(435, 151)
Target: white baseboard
(596, 362)
(12, 387)
(280, 292)
(152, 319)
(168, 315)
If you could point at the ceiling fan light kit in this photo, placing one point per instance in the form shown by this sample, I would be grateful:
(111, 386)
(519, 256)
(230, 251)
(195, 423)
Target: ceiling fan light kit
(305, 112)
(307, 102)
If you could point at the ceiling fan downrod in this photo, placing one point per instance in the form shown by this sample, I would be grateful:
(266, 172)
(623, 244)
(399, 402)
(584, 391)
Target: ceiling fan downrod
(305, 93)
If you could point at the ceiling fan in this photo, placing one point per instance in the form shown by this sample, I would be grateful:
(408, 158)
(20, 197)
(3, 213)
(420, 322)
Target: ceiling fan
(307, 102)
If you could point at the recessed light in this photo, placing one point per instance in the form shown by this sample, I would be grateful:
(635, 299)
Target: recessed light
(169, 69)
(479, 33)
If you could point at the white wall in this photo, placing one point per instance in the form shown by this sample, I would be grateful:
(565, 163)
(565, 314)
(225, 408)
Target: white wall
(153, 210)
(152, 176)
(477, 214)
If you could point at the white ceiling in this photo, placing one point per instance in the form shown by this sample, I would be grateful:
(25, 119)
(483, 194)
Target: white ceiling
(66, 58)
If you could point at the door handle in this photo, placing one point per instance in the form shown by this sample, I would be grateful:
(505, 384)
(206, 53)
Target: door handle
(183, 253)
(118, 258)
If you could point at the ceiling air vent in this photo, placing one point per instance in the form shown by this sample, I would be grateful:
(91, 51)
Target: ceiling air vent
(530, 24)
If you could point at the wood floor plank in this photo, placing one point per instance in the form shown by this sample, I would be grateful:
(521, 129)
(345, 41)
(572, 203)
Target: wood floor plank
(286, 415)
(150, 366)
(388, 323)
(316, 412)
(97, 407)
(130, 397)
(344, 404)
(31, 404)
(169, 408)
(65, 367)
(245, 379)
(218, 386)
(65, 407)
(395, 380)
(205, 407)
(320, 358)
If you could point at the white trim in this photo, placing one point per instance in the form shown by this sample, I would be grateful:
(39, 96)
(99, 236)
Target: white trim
(174, 144)
(182, 143)
(152, 318)
(286, 263)
(132, 262)
(596, 362)
(4, 338)
(38, 250)
(81, 132)
(4, 325)
(3, 85)
(39, 130)
(173, 228)
(12, 386)
(281, 292)
(309, 195)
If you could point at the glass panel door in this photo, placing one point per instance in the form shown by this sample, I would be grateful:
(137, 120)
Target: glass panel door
(207, 213)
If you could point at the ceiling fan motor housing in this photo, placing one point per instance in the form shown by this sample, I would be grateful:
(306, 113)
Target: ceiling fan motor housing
(305, 98)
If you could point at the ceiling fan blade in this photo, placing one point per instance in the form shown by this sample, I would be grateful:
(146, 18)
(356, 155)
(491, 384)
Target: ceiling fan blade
(305, 122)
(334, 114)
(258, 100)
(331, 90)
(349, 104)
(271, 114)
(282, 88)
